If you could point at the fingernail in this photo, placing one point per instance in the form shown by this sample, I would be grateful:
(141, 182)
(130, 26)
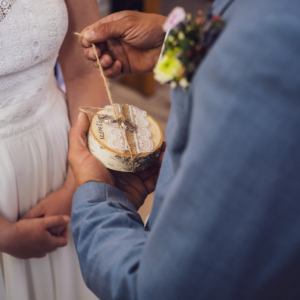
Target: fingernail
(92, 54)
(103, 63)
(89, 34)
(80, 115)
(85, 43)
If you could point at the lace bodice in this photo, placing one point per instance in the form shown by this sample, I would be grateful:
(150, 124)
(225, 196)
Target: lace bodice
(31, 33)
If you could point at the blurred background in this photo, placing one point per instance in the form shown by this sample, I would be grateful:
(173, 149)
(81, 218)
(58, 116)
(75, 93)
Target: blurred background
(142, 90)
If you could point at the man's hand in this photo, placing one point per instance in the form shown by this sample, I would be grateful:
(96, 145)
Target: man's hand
(87, 168)
(127, 42)
(84, 165)
(31, 238)
(137, 186)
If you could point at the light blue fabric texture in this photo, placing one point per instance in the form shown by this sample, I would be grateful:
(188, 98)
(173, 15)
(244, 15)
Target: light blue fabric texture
(225, 223)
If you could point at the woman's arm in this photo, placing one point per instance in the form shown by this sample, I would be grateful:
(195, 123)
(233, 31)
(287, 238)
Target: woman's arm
(83, 82)
(84, 88)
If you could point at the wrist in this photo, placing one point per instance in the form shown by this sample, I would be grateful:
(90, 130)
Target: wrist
(69, 189)
(68, 192)
(70, 185)
(106, 181)
(6, 234)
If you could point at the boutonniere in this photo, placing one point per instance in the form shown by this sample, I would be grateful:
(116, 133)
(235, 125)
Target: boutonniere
(186, 45)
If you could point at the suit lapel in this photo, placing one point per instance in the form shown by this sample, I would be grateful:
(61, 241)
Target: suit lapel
(220, 6)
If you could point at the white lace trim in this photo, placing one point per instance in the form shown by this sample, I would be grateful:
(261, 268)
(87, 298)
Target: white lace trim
(28, 105)
(5, 6)
(19, 130)
(142, 134)
(31, 33)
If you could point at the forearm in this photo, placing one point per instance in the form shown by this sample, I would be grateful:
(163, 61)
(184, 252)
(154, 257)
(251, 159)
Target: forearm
(83, 83)
(105, 221)
(86, 90)
(69, 185)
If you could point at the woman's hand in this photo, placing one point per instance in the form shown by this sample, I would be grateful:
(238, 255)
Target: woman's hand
(55, 204)
(31, 238)
(128, 42)
(87, 167)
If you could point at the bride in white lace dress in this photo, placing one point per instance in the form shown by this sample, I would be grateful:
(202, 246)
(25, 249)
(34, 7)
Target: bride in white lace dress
(34, 124)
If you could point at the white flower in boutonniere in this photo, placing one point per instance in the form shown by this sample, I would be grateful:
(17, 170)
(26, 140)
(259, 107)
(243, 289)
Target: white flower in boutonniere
(168, 68)
(186, 45)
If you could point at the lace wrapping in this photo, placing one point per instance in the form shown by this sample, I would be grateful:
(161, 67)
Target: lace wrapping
(142, 134)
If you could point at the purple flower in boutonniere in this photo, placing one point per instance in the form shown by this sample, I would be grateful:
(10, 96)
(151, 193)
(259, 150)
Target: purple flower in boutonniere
(186, 45)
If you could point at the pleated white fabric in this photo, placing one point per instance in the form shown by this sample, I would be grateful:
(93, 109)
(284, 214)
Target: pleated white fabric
(34, 129)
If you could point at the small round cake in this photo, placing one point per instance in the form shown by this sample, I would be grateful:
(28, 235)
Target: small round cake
(106, 140)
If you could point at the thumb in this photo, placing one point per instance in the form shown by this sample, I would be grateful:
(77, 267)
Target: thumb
(55, 221)
(77, 135)
(77, 138)
(78, 150)
(101, 32)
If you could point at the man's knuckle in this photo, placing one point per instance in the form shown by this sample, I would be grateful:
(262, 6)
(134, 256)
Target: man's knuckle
(103, 28)
(131, 21)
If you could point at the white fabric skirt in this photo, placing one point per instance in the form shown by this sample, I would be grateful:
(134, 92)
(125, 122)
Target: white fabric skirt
(33, 164)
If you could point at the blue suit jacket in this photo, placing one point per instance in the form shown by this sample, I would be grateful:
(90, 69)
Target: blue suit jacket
(225, 223)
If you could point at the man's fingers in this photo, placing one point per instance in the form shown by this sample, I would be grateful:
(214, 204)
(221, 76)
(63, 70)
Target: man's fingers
(106, 61)
(114, 70)
(101, 32)
(151, 182)
(145, 174)
(89, 53)
(55, 221)
(84, 42)
(108, 31)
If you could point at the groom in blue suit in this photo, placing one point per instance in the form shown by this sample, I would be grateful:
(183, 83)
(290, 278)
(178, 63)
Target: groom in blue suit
(225, 222)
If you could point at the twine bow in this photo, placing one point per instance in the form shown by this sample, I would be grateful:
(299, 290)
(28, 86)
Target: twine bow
(117, 117)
